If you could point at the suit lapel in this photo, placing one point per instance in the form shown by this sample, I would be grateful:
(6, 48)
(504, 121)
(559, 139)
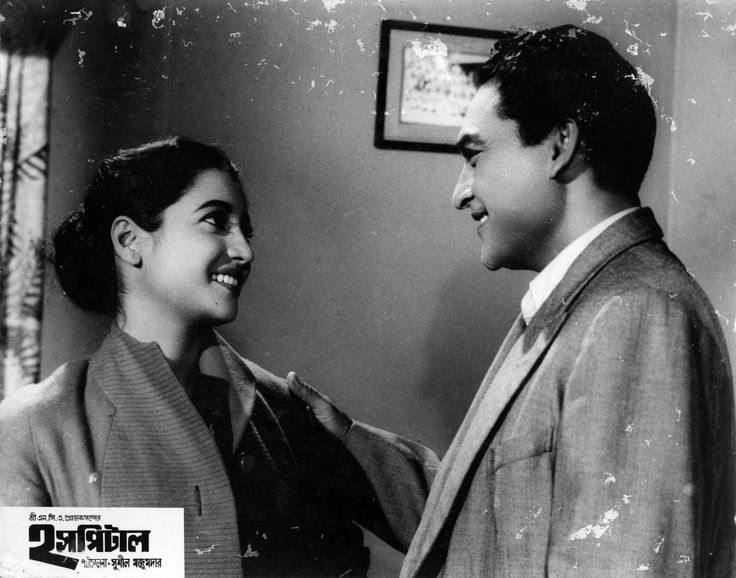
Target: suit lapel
(518, 357)
(160, 453)
(157, 434)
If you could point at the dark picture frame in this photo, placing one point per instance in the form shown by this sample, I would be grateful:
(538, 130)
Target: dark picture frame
(426, 79)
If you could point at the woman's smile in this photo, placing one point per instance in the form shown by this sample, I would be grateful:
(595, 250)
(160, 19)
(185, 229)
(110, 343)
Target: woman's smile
(227, 281)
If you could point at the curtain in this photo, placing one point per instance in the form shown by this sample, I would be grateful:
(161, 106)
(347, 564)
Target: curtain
(24, 102)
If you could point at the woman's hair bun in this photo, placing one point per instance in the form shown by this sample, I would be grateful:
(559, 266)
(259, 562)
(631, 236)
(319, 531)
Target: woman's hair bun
(85, 264)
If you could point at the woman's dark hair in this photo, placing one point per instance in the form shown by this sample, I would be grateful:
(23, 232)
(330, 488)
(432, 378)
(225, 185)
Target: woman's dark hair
(139, 183)
(548, 76)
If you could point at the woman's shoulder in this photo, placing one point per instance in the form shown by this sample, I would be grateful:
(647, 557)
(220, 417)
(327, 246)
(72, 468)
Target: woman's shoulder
(49, 398)
(275, 391)
(265, 379)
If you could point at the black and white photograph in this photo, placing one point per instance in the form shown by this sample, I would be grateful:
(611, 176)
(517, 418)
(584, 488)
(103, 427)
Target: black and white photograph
(367, 288)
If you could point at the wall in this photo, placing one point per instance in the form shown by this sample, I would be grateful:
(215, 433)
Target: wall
(366, 280)
(702, 212)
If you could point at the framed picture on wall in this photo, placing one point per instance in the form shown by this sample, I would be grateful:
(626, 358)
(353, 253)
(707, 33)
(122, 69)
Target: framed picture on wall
(426, 80)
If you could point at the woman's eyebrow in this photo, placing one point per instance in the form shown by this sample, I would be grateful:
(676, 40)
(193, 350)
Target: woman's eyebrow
(216, 203)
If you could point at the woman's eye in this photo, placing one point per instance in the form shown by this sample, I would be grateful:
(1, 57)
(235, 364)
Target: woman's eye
(216, 220)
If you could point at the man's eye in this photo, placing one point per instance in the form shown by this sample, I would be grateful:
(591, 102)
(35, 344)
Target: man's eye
(471, 156)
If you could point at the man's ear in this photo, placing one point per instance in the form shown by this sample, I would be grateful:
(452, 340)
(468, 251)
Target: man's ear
(565, 140)
(126, 240)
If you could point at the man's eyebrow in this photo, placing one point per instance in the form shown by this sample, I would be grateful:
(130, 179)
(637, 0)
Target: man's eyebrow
(469, 140)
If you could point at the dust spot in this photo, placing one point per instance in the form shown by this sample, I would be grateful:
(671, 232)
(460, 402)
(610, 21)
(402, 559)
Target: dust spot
(92, 478)
(626, 498)
(249, 552)
(582, 6)
(679, 415)
(643, 568)
(331, 26)
(530, 518)
(628, 429)
(669, 120)
(658, 545)
(81, 54)
(688, 489)
(203, 551)
(434, 48)
(597, 529)
(158, 16)
(610, 478)
(644, 79)
(330, 5)
(683, 559)
(78, 15)
(631, 33)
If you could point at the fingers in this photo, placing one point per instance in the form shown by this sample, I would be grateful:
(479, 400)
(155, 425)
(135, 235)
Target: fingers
(331, 418)
(305, 392)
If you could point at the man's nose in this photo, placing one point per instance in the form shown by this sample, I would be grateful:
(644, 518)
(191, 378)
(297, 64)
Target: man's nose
(238, 247)
(463, 194)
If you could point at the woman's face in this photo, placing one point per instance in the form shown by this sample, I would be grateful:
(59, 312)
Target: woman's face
(198, 260)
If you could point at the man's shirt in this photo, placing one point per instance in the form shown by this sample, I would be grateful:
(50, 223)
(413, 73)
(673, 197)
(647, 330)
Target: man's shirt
(548, 278)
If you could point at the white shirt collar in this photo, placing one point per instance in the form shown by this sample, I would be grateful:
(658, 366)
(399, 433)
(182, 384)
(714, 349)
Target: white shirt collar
(548, 278)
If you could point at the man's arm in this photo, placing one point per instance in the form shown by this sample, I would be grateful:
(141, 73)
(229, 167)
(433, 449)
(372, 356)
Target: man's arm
(642, 471)
(398, 471)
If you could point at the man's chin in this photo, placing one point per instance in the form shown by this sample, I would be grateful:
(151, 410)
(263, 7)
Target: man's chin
(490, 263)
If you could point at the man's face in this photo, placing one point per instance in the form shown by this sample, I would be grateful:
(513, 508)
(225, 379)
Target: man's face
(506, 185)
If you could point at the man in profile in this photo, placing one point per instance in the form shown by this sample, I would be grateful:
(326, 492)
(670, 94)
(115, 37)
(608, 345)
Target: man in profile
(601, 440)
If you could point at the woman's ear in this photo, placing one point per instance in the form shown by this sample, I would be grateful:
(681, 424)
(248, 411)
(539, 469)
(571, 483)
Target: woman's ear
(565, 139)
(126, 240)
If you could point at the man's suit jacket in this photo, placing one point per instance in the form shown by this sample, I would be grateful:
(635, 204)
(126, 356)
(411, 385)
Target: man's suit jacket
(119, 430)
(600, 442)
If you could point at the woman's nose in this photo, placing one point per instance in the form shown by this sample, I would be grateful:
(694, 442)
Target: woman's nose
(462, 194)
(238, 247)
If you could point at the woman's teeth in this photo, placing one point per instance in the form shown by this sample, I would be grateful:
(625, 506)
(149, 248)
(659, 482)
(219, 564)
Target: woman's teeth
(226, 279)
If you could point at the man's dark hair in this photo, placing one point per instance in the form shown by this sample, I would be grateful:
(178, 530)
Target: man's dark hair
(548, 76)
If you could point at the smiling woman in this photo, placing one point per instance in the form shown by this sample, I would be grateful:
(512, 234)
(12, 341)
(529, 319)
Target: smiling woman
(165, 413)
